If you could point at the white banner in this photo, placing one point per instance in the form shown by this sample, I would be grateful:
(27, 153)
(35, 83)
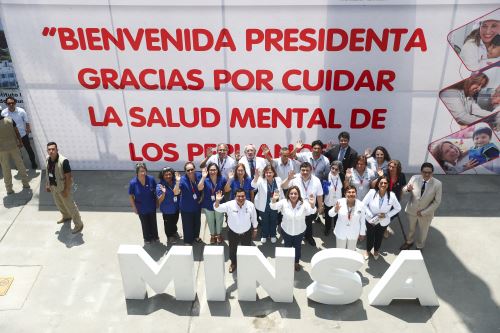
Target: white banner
(163, 83)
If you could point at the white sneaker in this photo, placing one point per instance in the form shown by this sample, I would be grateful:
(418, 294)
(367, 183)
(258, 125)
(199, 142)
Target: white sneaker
(263, 240)
(273, 240)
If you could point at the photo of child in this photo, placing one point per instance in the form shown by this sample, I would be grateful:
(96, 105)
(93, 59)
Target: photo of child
(467, 149)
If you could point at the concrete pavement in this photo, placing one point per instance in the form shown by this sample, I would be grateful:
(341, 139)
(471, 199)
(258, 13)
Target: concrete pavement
(66, 282)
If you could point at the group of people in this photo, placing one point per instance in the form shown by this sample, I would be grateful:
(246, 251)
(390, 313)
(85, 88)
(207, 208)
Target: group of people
(358, 195)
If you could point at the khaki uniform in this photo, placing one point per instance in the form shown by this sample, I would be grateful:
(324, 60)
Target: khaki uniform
(8, 151)
(66, 206)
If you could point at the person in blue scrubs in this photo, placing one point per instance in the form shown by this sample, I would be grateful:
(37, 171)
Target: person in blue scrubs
(239, 179)
(167, 192)
(142, 198)
(190, 204)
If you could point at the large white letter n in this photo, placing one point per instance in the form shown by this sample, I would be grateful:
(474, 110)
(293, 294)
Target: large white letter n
(139, 269)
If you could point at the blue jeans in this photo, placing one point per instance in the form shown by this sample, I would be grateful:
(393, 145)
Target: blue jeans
(191, 222)
(268, 221)
(295, 242)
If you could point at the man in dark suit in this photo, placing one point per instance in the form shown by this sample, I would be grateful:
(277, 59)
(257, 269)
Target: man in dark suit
(343, 152)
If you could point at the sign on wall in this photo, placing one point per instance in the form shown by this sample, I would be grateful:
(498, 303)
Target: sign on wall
(163, 83)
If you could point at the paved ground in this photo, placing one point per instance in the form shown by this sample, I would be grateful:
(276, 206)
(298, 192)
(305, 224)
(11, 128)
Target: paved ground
(72, 283)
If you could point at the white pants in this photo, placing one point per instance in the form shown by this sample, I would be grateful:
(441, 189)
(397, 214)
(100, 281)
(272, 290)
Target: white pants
(349, 244)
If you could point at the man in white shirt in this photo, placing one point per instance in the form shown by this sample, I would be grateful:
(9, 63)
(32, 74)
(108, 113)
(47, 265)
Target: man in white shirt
(252, 162)
(308, 184)
(225, 162)
(23, 126)
(319, 163)
(241, 217)
(284, 164)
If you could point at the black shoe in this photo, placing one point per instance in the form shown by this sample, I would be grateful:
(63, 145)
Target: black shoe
(311, 241)
(406, 246)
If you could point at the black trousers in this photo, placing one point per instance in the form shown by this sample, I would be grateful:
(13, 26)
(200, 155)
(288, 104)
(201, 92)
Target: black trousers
(170, 223)
(374, 236)
(237, 239)
(149, 227)
(330, 220)
(26, 143)
(309, 228)
(191, 223)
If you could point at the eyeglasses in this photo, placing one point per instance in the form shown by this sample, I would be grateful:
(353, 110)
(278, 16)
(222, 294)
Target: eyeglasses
(189, 170)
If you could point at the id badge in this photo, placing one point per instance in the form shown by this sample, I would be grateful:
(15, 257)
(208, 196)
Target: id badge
(212, 197)
(51, 175)
(195, 196)
(175, 199)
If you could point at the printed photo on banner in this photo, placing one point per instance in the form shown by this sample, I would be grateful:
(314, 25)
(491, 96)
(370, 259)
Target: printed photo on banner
(477, 98)
(467, 149)
(478, 42)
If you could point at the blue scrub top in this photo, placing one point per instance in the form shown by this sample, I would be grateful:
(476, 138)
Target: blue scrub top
(188, 203)
(209, 191)
(168, 205)
(144, 196)
(247, 187)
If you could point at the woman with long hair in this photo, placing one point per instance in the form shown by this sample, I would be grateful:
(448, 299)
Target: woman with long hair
(211, 182)
(380, 205)
(378, 160)
(239, 179)
(294, 211)
(459, 99)
(474, 52)
(451, 158)
(266, 186)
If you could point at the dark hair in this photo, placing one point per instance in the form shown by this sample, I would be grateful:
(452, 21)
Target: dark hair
(344, 135)
(350, 187)
(463, 85)
(11, 98)
(386, 153)
(427, 165)
(306, 165)
(164, 171)
(317, 142)
(294, 187)
(361, 158)
(187, 163)
(217, 167)
(140, 165)
(240, 165)
(51, 143)
(482, 130)
(474, 36)
(377, 188)
(239, 190)
(495, 41)
(269, 167)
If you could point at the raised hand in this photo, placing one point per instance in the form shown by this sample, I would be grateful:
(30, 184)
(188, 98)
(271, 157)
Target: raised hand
(368, 152)
(380, 172)
(329, 145)
(219, 196)
(163, 189)
(230, 174)
(177, 176)
(291, 175)
(409, 187)
(276, 196)
(299, 144)
(348, 173)
(337, 207)
(204, 172)
(312, 199)
(265, 150)
(257, 172)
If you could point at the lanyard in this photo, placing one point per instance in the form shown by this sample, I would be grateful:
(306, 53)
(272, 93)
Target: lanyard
(380, 202)
(304, 184)
(170, 188)
(270, 189)
(314, 163)
(222, 164)
(214, 186)
(192, 187)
